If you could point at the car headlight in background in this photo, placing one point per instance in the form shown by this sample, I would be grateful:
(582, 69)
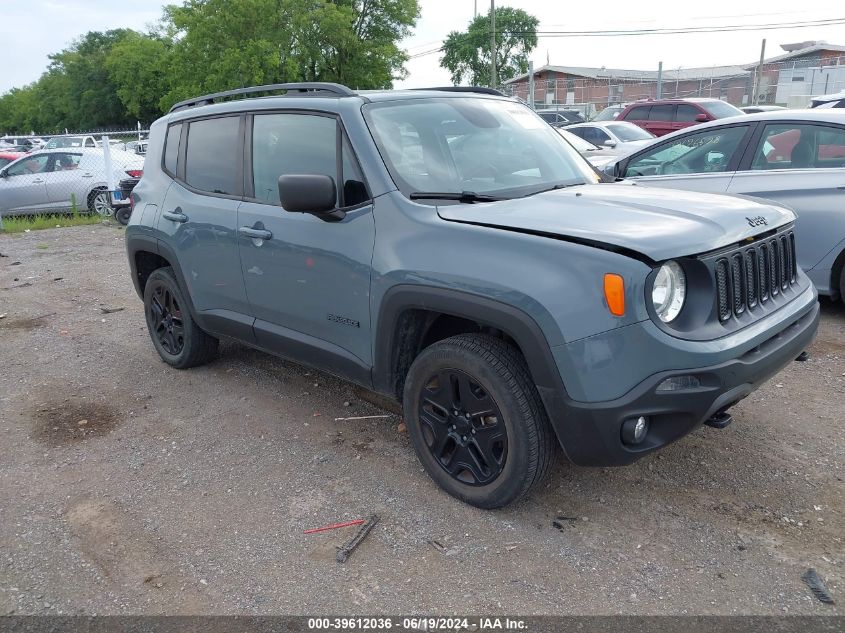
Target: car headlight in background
(669, 291)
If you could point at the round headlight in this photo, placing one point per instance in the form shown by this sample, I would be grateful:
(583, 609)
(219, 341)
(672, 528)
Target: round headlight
(669, 291)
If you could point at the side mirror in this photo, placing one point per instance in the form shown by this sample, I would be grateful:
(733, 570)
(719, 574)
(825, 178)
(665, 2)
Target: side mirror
(310, 193)
(609, 144)
(701, 117)
(4, 173)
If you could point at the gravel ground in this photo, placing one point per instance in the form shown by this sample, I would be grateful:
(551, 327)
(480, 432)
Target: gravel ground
(129, 487)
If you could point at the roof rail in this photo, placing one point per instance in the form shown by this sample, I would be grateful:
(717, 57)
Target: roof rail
(308, 86)
(477, 89)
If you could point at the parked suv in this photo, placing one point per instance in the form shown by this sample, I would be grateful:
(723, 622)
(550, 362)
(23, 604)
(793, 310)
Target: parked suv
(561, 118)
(448, 249)
(668, 115)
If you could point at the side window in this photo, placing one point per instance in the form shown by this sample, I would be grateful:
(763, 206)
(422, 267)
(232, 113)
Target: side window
(582, 132)
(65, 162)
(661, 113)
(285, 144)
(171, 148)
(212, 163)
(639, 113)
(599, 136)
(799, 146)
(704, 152)
(89, 142)
(32, 165)
(686, 113)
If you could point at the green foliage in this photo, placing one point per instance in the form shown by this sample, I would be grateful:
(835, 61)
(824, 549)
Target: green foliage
(118, 77)
(21, 223)
(467, 53)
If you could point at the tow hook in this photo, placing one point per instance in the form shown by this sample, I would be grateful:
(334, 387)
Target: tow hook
(720, 420)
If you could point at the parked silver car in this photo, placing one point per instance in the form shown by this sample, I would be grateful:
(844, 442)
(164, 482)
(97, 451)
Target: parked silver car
(597, 156)
(620, 135)
(795, 157)
(53, 180)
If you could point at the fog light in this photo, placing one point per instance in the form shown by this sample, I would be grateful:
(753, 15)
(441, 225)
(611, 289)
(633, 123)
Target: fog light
(679, 383)
(634, 430)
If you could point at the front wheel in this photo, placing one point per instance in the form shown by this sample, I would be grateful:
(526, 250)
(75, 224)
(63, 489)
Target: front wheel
(476, 421)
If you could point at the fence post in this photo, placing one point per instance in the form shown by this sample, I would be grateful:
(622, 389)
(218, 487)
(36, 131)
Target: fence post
(659, 94)
(107, 163)
(531, 85)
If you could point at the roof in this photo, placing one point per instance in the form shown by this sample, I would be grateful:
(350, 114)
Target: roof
(811, 115)
(800, 52)
(679, 74)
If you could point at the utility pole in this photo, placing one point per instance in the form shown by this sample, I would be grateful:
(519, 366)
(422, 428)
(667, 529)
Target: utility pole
(758, 76)
(475, 10)
(493, 81)
(659, 93)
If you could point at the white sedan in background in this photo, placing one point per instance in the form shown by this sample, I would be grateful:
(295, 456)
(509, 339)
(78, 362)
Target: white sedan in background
(622, 136)
(53, 181)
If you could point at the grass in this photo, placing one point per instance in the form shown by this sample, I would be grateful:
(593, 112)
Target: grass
(22, 223)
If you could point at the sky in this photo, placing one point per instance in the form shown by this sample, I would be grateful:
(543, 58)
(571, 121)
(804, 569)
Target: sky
(32, 29)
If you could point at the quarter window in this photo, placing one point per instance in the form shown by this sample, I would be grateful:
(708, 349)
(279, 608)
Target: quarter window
(703, 152)
(212, 163)
(171, 148)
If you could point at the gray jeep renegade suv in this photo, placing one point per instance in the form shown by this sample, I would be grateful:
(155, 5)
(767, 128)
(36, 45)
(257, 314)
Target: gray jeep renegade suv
(449, 249)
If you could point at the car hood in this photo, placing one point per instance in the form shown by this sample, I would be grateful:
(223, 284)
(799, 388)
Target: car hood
(657, 223)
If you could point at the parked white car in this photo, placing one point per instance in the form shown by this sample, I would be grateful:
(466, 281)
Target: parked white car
(622, 136)
(597, 156)
(50, 181)
(71, 141)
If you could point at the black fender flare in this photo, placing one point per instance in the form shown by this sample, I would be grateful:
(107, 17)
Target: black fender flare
(516, 323)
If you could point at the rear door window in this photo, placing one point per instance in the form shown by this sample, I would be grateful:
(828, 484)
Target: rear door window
(799, 146)
(661, 113)
(638, 113)
(212, 160)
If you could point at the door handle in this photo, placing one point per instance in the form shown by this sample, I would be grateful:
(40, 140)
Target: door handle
(175, 216)
(256, 234)
(87, 175)
(37, 181)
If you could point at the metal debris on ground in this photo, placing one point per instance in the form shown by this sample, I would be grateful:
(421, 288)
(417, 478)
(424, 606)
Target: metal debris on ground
(361, 417)
(812, 579)
(334, 526)
(105, 310)
(347, 549)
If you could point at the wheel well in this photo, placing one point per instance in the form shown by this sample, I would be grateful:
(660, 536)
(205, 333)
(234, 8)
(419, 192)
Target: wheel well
(417, 329)
(145, 264)
(836, 276)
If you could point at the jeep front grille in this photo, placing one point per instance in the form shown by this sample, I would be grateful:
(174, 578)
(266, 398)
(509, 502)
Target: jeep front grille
(753, 275)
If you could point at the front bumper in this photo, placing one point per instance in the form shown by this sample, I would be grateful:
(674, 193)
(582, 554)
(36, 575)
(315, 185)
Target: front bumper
(590, 432)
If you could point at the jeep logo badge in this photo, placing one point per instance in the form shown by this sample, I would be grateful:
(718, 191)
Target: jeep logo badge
(758, 221)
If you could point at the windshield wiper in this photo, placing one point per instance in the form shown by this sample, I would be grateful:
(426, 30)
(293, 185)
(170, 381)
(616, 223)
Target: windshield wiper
(467, 197)
(553, 188)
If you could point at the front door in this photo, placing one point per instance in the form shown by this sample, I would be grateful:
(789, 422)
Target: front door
(307, 280)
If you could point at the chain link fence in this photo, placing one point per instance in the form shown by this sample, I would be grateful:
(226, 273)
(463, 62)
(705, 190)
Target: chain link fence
(790, 84)
(72, 174)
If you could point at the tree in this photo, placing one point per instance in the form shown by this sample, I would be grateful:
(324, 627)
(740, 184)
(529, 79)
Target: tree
(467, 54)
(138, 69)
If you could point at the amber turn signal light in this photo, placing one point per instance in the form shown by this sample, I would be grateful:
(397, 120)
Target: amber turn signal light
(614, 294)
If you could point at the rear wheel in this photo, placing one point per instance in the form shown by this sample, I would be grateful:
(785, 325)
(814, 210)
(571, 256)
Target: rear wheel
(175, 335)
(123, 214)
(476, 420)
(99, 202)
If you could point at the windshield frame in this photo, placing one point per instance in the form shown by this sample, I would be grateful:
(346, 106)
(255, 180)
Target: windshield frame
(582, 171)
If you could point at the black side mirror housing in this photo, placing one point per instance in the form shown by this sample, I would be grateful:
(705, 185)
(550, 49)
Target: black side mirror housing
(310, 193)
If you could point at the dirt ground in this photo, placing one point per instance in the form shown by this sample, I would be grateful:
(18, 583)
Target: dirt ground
(129, 487)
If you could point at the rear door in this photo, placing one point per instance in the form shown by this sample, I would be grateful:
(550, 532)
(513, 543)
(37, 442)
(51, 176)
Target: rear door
(65, 181)
(638, 115)
(697, 161)
(661, 119)
(308, 280)
(802, 165)
(198, 219)
(23, 187)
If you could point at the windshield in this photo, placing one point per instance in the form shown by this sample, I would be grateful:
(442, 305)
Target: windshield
(627, 132)
(459, 144)
(64, 141)
(720, 109)
(609, 113)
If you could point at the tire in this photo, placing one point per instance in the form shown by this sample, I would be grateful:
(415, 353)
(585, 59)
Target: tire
(99, 202)
(178, 339)
(842, 284)
(122, 214)
(489, 460)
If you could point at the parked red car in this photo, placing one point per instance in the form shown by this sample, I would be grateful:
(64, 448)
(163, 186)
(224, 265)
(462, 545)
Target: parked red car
(8, 157)
(668, 115)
